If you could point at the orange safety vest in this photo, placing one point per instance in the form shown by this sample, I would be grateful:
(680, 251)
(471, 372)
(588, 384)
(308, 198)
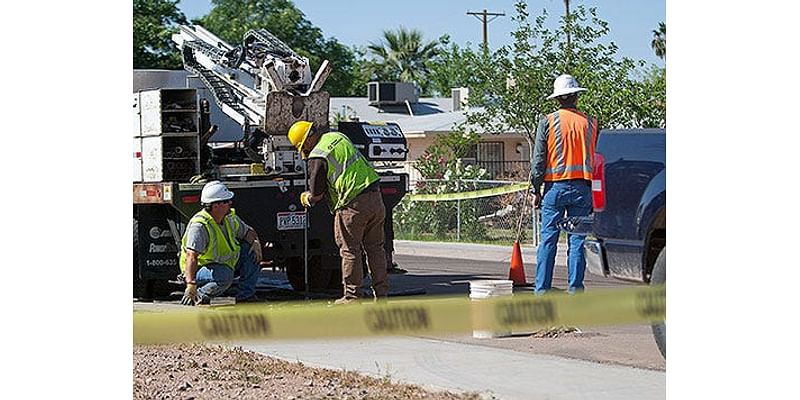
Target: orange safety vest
(571, 140)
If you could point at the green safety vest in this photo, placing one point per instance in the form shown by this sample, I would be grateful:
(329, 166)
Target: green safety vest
(349, 173)
(220, 249)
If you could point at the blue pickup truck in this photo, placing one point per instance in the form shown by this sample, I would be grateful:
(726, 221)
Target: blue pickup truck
(627, 233)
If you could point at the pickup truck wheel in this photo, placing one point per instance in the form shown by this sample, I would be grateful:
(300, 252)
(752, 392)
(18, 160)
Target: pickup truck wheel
(659, 277)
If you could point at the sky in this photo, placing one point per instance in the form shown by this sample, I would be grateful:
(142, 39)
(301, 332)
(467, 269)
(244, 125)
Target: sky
(359, 22)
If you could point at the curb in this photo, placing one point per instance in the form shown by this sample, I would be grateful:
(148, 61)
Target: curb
(468, 251)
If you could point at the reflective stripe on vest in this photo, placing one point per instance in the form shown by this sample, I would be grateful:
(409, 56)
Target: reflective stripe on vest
(349, 173)
(221, 249)
(571, 141)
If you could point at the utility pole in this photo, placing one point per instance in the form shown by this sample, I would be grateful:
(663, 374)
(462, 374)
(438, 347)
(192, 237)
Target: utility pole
(483, 17)
(566, 5)
(568, 28)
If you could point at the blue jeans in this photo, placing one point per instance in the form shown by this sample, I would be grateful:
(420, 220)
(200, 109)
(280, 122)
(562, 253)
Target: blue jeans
(214, 279)
(574, 198)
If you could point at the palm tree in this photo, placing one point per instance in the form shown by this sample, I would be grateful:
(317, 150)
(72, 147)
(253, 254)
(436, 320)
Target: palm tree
(659, 43)
(403, 56)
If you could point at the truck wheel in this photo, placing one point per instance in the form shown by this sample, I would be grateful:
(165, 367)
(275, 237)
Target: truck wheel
(659, 277)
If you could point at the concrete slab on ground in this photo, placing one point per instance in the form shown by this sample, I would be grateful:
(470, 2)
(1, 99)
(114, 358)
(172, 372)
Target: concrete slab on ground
(498, 373)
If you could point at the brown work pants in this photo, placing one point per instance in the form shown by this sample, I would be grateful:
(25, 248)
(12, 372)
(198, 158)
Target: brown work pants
(358, 227)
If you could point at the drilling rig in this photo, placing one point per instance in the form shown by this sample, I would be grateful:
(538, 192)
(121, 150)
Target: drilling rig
(264, 86)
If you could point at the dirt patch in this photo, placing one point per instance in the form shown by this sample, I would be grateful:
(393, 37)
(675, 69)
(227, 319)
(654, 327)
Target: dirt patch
(194, 371)
(558, 331)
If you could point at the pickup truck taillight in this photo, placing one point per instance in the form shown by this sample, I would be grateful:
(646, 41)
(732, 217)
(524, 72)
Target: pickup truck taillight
(598, 183)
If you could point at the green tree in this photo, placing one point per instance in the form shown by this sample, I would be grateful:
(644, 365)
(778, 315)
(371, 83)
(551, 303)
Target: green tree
(154, 22)
(453, 67)
(659, 43)
(518, 77)
(650, 99)
(360, 73)
(403, 55)
(231, 19)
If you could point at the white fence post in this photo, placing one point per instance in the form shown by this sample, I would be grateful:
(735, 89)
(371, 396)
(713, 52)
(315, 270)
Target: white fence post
(458, 209)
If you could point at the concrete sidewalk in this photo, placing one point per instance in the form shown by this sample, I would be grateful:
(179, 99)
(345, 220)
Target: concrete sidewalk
(494, 373)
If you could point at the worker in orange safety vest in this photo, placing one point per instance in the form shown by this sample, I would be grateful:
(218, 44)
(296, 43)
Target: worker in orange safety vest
(562, 160)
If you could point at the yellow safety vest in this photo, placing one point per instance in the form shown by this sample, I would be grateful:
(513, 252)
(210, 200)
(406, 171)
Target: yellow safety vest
(221, 249)
(349, 173)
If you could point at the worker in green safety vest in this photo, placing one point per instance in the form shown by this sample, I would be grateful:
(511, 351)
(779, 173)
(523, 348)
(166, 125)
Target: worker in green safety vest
(216, 247)
(338, 171)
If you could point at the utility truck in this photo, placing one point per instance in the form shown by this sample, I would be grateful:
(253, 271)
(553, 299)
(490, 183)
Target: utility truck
(264, 87)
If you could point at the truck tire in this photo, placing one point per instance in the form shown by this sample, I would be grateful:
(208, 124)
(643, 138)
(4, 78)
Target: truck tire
(659, 277)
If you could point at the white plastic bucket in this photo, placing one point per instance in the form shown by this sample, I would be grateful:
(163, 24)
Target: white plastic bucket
(484, 289)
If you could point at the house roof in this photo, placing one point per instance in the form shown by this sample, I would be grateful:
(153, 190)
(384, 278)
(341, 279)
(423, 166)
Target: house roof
(430, 114)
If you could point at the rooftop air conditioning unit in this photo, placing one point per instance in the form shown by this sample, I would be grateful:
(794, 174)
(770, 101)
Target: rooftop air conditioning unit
(460, 98)
(380, 93)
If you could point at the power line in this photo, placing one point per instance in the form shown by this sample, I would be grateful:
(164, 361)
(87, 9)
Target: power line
(482, 16)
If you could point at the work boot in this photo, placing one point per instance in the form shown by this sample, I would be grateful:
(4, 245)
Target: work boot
(394, 269)
(345, 300)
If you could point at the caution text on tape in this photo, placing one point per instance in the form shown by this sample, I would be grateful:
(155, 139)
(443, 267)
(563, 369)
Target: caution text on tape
(401, 317)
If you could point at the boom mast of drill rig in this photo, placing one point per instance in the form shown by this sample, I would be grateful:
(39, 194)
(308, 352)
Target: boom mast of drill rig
(263, 85)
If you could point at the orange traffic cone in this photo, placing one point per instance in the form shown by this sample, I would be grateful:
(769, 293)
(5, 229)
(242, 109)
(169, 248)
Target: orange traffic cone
(517, 271)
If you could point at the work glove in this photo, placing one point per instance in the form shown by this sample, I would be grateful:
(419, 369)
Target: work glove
(305, 199)
(190, 296)
(537, 199)
(255, 248)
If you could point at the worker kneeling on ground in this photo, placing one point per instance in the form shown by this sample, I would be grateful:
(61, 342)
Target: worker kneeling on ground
(217, 246)
(338, 169)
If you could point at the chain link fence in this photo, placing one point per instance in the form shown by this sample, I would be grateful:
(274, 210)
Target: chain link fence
(460, 214)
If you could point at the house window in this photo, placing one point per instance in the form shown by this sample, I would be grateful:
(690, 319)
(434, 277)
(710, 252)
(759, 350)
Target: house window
(489, 156)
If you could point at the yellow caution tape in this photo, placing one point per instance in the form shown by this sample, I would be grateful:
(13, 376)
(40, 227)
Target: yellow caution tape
(515, 187)
(421, 316)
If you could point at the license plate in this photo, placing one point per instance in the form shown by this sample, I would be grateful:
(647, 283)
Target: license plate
(291, 220)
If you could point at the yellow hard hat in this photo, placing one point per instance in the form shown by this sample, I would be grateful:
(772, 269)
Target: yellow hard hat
(298, 133)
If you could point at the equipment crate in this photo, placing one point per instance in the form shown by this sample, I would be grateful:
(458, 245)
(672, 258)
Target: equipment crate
(169, 112)
(170, 158)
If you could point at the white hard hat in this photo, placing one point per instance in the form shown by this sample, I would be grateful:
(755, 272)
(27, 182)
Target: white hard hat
(565, 84)
(215, 191)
